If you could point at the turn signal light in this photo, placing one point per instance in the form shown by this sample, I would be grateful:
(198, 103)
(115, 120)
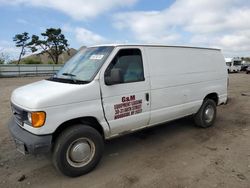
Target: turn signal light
(37, 119)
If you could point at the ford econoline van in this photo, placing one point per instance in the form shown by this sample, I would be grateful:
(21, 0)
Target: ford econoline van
(110, 90)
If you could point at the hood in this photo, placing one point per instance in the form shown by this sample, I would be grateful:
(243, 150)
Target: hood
(45, 93)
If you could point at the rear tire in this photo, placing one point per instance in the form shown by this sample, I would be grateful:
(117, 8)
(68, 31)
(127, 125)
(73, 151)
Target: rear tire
(206, 115)
(77, 150)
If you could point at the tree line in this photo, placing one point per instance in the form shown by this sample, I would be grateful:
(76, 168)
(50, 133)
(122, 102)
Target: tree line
(4, 58)
(52, 42)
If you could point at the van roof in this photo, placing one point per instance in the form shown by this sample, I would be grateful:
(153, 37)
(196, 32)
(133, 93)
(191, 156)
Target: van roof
(155, 45)
(228, 59)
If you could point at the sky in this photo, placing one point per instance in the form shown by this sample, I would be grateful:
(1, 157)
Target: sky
(223, 24)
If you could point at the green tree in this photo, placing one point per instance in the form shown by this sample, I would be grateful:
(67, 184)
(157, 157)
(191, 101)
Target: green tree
(246, 59)
(31, 61)
(4, 58)
(22, 41)
(53, 43)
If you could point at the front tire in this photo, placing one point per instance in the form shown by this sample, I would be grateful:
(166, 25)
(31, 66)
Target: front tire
(77, 150)
(206, 115)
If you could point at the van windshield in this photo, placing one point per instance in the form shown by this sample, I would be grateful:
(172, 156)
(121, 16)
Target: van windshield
(83, 66)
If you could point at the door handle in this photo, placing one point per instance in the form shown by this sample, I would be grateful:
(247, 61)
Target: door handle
(147, 96)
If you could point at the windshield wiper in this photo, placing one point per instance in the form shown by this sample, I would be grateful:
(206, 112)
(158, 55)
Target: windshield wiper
(71, 81)
(68, 74)
(71, 76)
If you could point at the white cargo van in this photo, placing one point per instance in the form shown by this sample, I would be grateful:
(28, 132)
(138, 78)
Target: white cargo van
(110, 90)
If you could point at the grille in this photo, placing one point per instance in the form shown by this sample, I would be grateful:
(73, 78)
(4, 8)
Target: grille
(19, 114)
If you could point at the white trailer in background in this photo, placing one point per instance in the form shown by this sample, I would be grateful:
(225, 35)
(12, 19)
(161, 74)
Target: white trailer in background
(233, 64)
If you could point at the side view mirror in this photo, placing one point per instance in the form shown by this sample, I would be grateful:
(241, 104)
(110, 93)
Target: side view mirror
(114, 78)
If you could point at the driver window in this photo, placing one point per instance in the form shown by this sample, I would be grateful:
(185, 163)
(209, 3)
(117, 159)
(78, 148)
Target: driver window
(129, 61)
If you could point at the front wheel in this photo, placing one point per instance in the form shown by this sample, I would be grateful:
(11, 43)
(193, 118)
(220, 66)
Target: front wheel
(206, 115)
(78, 150)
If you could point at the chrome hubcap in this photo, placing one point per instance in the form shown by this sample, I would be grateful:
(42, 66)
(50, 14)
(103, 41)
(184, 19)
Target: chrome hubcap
(209, 114)
(80, 152)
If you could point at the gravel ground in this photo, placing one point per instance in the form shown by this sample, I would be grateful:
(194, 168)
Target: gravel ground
(176, 154)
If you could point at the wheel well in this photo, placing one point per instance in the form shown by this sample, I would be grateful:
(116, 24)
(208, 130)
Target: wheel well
(91, 121)
(213, 96)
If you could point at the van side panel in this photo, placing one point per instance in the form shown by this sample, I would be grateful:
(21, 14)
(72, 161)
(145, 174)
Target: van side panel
(181, 78)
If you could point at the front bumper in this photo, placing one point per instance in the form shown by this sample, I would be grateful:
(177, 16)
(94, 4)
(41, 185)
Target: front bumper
(32, 144)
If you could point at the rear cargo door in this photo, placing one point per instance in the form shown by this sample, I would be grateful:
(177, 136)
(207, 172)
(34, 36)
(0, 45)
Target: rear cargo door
(126, 104)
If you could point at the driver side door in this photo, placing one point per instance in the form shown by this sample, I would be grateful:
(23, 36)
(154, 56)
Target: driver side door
(126, 104)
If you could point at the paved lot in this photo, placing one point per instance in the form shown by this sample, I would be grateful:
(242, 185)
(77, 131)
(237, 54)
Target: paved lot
(176, 154)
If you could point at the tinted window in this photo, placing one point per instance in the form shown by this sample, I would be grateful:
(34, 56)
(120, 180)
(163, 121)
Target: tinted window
(237, 63)
(129, 61)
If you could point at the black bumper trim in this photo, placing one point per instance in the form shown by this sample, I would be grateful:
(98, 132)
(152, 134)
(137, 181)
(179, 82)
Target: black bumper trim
(34, 144)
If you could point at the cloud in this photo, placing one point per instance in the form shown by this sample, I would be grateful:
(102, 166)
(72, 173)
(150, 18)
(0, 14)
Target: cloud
(77, 9)
(83, 36)
(213, 23)
(22, 21)
(146, 26)
(9, 49)
(87, 37)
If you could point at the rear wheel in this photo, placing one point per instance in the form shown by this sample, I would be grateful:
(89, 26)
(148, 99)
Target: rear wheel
(206, 115)
(78, 150)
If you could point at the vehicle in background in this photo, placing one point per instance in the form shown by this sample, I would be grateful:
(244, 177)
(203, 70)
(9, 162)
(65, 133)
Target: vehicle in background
(233, 64)
(248, 69)
(244, 66)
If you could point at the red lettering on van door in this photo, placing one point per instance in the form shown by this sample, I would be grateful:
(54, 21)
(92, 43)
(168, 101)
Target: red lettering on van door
(128, 106)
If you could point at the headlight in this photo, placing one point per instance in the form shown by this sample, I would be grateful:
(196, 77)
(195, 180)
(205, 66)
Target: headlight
(29, 117)
(36, 119)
